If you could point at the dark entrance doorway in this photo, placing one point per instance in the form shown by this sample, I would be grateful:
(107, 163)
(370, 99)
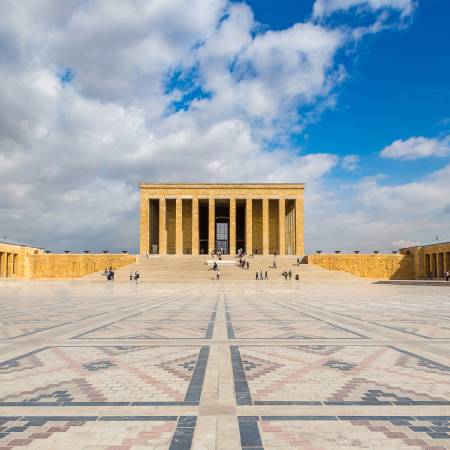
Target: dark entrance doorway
(222, 227)
(222, 237)
(203, 226)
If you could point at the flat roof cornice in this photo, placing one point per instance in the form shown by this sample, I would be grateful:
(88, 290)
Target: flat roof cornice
(219, 185)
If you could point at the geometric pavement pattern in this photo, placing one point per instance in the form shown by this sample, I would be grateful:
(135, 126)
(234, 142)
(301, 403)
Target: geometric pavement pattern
(340, 375)
(216, 365)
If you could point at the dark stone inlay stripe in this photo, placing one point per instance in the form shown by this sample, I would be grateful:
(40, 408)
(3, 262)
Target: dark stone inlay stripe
(195, 386)
(184, 433)
(241, 388)
(212, 321)
(230, 330)
(249, 431)
(35, 331)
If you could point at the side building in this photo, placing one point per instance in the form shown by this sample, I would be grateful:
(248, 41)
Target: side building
(430, 261)
(196, 218)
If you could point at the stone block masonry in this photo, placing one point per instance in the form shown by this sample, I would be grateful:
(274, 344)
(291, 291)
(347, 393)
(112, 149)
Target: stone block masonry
(23, 261)
(75, 265)
(393, 267)
(196, 218)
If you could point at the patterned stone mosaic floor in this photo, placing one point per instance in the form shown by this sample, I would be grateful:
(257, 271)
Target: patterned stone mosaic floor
(250, 365)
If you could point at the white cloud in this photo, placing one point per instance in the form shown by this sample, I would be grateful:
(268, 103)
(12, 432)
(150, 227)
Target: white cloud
(350, 162)
(71, 156)
(376, 213)
(417, 147)
(403, 244)
(327, 7)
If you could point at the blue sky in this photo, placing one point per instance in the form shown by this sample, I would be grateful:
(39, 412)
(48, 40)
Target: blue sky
(350, 96)
(398, 86)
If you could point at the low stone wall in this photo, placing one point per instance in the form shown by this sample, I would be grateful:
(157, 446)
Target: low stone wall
(392, 267)
(75, 265)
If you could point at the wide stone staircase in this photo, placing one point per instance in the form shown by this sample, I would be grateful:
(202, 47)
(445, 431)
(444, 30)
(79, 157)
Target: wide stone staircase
(196, 268)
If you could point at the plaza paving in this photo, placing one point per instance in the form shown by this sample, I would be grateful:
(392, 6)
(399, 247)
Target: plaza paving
(324, 363)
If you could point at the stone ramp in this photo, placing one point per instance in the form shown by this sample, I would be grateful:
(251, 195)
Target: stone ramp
(195, 268)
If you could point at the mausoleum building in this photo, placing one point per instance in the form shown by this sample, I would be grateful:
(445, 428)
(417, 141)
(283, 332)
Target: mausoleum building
(196, 218)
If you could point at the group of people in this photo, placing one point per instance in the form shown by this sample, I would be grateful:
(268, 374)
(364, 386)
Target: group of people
(259, 275)
(446, 275)
(243, 264)
(109, 274)
(135, 276)
(217, 252)
(287, 274)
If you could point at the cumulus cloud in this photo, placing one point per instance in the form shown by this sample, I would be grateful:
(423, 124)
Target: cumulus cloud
(98, 96)
(404, 244)
(377, 212)
(350, 162)
(417, 147)
(324, 8)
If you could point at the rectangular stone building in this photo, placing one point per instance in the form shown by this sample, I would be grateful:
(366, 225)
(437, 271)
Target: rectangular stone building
(195, 218)
(430, 261)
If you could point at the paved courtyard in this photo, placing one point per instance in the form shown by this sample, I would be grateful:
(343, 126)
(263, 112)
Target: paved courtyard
(249, 365)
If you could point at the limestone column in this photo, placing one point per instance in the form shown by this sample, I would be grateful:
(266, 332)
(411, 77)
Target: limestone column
(211, 225)
(232, 243)
(265, 225)
(249, 226)
(162, 227)
(179, 227)
(282, 225)
(144, 245)
(299, 227)
(195, 231)
(2, 263)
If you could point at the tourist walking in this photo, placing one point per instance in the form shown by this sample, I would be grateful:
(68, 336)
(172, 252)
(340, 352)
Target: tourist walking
(261, 275)
(136, 277)
(447, 275)
(257, 276)
(266, 277)
(248, 265)
(218, 275)
(131, 276)
(290, 274)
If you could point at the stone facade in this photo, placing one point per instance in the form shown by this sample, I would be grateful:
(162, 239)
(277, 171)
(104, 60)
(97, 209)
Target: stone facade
(196, 218)
(22, 261)
(14, 259)
(430, 261)
(384, 266)
(75, 265)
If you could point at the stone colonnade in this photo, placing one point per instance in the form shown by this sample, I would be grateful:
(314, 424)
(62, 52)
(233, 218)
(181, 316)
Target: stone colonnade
(436, 263)
(198, 218)
(9, 263)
